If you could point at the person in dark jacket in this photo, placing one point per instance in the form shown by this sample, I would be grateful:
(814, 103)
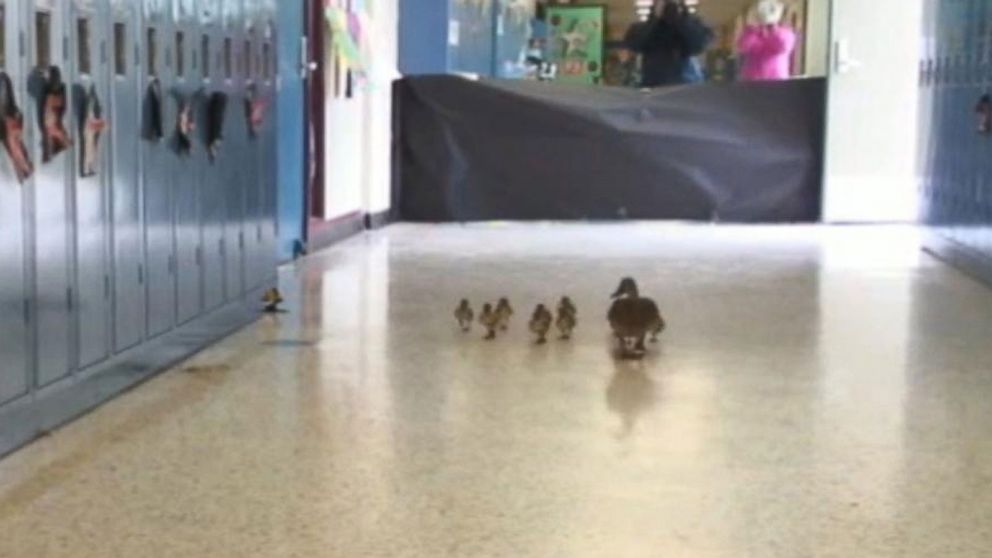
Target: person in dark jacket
(668, 42)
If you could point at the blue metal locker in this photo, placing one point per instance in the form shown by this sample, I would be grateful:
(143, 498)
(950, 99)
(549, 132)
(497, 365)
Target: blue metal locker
(14, 338)
(158, 110)
(291, 126)
(252, 185)
(235, 149)
(187, 161)
(45, 22)
(213, 211)
(268, 170)
(129, 272)
(88, 80)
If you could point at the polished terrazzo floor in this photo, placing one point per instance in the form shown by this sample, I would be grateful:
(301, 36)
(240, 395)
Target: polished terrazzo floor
(820, 392)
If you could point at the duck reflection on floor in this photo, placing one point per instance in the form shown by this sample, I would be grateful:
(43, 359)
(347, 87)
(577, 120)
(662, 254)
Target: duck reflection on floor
(818, 392)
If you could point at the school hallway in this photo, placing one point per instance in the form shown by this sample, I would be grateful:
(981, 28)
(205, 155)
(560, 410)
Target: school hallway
(820, 391)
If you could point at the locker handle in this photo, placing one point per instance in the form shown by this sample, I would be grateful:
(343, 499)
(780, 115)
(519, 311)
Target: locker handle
(199, 255)
(27, 311)
(141, 274)
(68, 299)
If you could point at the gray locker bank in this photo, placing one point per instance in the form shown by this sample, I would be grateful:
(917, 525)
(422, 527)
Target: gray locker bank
(137, 193)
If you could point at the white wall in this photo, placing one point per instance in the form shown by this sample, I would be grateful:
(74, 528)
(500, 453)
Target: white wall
(378, 178)
(873, 112)
(359, 129)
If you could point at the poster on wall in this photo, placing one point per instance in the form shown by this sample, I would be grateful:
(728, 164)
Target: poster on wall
(576, 44)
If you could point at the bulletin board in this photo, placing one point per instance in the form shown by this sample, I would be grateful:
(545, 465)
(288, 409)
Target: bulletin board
(576, 42)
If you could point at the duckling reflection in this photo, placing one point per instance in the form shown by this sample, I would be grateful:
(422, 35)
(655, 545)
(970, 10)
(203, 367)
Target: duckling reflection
(631, 393)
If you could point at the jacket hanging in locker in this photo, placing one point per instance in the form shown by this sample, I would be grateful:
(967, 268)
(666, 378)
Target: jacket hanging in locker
(55, 137)
(185, 124)
(12, 130)
(154, 127)
(216, 109)
(255, 108)
(93, 126)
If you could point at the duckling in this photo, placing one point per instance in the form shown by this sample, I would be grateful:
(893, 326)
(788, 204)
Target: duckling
(566, 306)
(464, 315)
(272, 299)
(504, 312)
(566, 323)
(540, 323)
(634, 317)
(490, 320)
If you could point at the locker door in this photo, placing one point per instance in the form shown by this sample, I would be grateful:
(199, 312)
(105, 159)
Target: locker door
(158, 110)
(129, 273)
(213, 196)
(14, 380)
(234, 156)
(46, 25)
(88, 81)
(269, 170)
(252, 186)
(186, 166)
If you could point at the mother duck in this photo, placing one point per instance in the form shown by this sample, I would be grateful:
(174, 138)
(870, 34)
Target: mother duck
(634, 317)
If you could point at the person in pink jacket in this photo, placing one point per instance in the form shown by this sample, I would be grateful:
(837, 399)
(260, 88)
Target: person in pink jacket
(766, 49)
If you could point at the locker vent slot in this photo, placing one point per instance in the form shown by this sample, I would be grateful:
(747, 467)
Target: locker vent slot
(83, 52)
(3, 37)
(246, 61)
(120, 49)
(180, 54)
(152, 49)
(205, 56)
(266, 61)
(228, 58)
(43, 39)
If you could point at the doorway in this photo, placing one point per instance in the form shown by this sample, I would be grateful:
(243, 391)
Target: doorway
(872, 128)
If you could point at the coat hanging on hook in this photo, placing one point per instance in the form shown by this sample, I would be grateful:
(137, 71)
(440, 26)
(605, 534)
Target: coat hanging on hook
(93, 126)
(185, 124)
(154, 127)
(55, 138)
(254, 111)
(12, 130)
(216, 109)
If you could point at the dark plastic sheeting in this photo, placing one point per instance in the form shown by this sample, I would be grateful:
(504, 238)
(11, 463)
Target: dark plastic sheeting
(509, 150)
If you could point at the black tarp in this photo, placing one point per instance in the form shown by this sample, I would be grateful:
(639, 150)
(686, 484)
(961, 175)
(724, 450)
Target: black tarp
(511, 150)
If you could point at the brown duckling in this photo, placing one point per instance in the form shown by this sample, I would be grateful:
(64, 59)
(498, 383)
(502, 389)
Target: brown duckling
(633, 317)
(566, 306)
(465, 315)
(489, 320)
(540, 323)
(566, 323)
(504, 312)
(272, 299)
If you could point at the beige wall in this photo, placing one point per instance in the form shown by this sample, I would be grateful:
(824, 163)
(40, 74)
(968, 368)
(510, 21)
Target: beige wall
(817, 37)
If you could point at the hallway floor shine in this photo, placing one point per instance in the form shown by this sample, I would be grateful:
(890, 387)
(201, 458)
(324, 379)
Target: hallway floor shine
(820, 392)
